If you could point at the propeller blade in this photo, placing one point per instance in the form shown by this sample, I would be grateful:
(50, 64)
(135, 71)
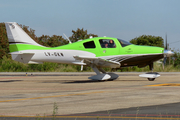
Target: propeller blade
(167, 52)
(166, 45)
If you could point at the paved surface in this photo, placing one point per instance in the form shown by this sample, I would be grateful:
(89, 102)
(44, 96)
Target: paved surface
(73, 96)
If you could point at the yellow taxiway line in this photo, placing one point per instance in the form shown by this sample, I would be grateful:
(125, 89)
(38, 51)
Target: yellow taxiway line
(76, 94)
(166, 84)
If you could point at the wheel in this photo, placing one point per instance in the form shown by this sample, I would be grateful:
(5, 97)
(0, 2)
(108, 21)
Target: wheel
(151, 79)
(111, 79)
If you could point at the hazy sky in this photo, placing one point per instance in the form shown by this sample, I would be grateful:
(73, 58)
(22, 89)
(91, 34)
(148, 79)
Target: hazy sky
(125, 19)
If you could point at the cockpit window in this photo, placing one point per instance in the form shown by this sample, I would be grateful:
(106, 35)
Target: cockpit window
(124, 43)
(106, 43)
(89, 44)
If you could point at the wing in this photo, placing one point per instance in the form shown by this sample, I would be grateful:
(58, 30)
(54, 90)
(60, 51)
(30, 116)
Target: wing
(98, 61)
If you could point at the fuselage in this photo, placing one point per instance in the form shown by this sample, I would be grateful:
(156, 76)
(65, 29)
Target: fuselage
(120, 51)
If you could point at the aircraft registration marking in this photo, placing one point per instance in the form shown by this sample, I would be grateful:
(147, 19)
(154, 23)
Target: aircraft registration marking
(54, 54)
(166, 84)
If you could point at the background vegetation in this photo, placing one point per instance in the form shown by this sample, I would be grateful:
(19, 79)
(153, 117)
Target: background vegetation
(8, 65)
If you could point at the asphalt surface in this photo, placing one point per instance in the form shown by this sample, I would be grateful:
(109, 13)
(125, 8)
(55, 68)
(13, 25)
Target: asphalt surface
(71, 96)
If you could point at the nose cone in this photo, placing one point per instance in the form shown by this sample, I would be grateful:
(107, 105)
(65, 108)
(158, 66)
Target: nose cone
(168, 53)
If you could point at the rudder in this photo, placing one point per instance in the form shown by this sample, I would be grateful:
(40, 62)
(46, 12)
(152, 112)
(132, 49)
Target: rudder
(16, 34)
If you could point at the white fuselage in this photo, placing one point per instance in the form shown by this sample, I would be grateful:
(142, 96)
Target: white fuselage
(58, 56)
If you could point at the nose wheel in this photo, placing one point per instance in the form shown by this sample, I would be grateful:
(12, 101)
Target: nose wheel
(151, 79)
(151, 76)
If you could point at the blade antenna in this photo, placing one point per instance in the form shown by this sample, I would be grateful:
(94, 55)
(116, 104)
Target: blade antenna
(67, 38)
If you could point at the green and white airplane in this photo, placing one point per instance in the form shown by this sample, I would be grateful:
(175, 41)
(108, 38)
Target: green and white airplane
(95, 52)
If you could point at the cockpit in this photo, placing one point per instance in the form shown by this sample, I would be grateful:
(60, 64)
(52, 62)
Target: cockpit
(107, 43)
(124, 43)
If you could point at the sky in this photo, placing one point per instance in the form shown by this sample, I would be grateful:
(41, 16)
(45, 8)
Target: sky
(124, 19)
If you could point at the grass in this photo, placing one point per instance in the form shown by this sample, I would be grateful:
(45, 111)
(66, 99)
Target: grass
(55, 110)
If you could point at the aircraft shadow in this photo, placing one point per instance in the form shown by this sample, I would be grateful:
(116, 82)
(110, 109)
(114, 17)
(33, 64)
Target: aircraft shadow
(96, 81)
(132, 80)
(84, 81)
(11, 80)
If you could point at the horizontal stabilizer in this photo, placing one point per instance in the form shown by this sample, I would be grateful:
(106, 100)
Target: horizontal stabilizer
(22, 57)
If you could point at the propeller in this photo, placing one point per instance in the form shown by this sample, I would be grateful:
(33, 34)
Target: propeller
(167, 52)
(165, 49)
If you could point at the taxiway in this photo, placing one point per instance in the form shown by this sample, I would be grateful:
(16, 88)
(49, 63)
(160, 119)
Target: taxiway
(75, 96)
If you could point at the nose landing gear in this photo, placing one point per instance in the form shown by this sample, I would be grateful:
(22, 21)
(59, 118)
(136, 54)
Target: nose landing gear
(150, 75)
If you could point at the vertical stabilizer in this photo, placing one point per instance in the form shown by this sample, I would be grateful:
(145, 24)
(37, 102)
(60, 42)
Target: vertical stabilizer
(19, 41)
(16, 34)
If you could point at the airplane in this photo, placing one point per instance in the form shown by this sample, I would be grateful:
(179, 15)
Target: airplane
(97, 52)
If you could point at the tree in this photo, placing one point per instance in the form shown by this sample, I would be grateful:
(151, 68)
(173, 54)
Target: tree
(52, 41)
(80, 34)
(148, 40)
(4, 44)
(176, 59)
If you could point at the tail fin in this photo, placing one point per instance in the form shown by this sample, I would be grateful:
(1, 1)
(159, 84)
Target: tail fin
(17, 35)
(18, 41)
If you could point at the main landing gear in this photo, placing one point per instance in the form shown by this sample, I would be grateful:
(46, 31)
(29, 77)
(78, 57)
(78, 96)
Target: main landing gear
(102, 76)
(150, 75)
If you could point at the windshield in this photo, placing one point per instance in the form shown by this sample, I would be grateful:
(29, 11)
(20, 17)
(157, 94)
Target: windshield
(124, 43)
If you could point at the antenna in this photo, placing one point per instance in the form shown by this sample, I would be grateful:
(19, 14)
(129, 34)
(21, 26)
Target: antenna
(67, 38)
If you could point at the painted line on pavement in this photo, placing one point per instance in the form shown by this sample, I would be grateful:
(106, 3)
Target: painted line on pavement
(76, 94)
(166, 84)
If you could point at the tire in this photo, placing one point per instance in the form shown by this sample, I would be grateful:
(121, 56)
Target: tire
(151, 79)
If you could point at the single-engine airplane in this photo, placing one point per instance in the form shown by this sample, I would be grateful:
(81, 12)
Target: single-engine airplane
(97, 52)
